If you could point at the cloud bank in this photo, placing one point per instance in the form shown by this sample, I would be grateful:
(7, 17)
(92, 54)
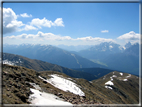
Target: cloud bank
(130, 36)
(41, 37)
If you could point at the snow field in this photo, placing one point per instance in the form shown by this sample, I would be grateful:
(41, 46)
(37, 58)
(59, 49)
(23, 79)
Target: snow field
(109, 83)
(35, 86)
(42, 98)
(64, 84)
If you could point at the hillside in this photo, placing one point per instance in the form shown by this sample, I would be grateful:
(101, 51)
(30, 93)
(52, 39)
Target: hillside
(123, 84)
(38, 65)
(26, 86)
(97, 72)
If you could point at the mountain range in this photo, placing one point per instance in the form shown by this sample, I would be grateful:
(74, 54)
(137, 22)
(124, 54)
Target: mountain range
(114, 56)
(50, 54)
(107, 55)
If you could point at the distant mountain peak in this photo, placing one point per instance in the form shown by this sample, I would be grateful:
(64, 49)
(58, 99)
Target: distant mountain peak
(127, 45)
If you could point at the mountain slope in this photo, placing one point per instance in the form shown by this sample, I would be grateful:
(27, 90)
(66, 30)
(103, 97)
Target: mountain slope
(26, 86)
(43, 66)
(20, 84)
(123, 84)
(97, 72)
(50, 54)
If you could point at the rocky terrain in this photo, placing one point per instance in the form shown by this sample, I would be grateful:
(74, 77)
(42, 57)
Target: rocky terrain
(18, 81)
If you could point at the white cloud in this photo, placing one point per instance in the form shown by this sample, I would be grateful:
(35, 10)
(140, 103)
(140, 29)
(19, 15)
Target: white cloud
(130, 36)
(41, 22)
(10, 22)
(46, 23)
(58, 22)
(97, 39)
(25, 15)
(29, 27)
(40, 35)
(14, 23)
(104, 31)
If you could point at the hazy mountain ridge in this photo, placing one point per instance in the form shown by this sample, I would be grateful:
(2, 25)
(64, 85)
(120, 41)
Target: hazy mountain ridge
(128, 61)
(43, 66)
(101, 51)
(124, 59)
(19, 83)
(50, 54)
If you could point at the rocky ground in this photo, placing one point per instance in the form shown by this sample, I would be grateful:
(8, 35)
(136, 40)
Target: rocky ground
(16, 88)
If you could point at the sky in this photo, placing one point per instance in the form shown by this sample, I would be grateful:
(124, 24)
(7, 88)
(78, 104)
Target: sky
(70, 23)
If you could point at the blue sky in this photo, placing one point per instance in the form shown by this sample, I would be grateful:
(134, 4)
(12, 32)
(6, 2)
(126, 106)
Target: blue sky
(70, 23)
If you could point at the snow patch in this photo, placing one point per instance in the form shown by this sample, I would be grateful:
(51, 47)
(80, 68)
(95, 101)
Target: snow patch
(8, 62)
(121, 74)
(108, 87)
(128, 76)
(125, 79)
(111, 78)
(64, 84)
(110, 46)
(109, 83)
(114, 76)
(124, 47)
(42, 98)
(35, 86)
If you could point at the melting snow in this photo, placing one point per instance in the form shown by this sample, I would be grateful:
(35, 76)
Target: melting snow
(114, 76)
(35, 86)
(111, 78)
(8, 62)
(64, 84)
(42, 98)
(108, 87)
(125, 80)
(109, 83)
(121, 74)
(128, 76)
